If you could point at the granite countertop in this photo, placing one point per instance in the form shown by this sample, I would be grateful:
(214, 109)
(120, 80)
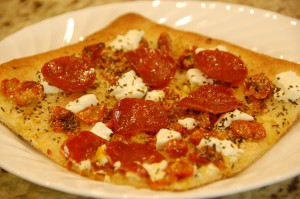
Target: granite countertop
(16, 14)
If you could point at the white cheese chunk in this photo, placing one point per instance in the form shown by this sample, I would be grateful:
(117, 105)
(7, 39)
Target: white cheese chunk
(85, 165)
(102, 130)
(225, 120)
(82, 103)
(129, 41)
(117, 165)
(196, 77)
(165, 135)
(48, 89)
(189, 123)
(197, 50)
(155, 95)
(288, 86)
(226, 147)
(66, 151)
(156, 170)
(129, 86)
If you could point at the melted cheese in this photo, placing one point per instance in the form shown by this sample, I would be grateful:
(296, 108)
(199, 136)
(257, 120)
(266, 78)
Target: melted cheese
(101, 155)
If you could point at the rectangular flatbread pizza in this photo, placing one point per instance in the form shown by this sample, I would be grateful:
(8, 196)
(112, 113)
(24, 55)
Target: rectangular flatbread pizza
(142, 104)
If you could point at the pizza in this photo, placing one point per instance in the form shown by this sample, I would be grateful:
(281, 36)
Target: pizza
(143, 104)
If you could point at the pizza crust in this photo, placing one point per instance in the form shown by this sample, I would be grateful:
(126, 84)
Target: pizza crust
(31, 122)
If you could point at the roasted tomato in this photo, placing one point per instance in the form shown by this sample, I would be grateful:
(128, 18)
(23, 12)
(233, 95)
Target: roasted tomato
(64, 120)
(92, 114)
(207, 154)
(28, 92)
(8, 86)
(180, 169)
(92, 53)
(258, 86)
(176, 148)
(248, 129)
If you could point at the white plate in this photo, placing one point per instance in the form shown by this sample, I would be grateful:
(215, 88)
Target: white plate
(256, 29)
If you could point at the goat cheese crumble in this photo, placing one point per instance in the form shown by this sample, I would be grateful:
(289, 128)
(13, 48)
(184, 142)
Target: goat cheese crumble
(196, 77)
(189, 123)
(288, 86)
(155, 95)
(129, 86)
(226, 147)
(82, 103)
(165, 135)
(225, 120)
(129, 41)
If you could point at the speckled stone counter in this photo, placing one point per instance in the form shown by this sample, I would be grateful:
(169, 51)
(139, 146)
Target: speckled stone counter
(16, 14)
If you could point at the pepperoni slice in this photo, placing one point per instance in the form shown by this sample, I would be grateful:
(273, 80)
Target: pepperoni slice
(221, 65)
(131, 116)
(71, 74)
(211, 98)
(83, 146)
(129, 153)
(154, 66)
